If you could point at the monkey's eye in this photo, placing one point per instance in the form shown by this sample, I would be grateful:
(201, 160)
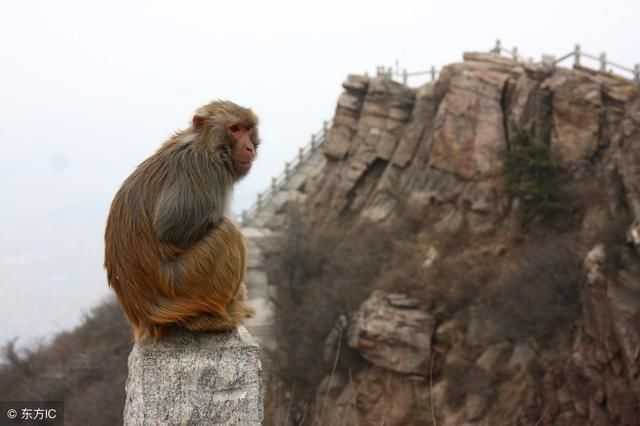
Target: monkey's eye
(234, 128)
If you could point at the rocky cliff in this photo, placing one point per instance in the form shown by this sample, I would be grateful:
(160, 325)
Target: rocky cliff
(570, 287)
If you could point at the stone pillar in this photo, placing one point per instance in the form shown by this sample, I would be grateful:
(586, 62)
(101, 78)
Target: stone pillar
(195, 379)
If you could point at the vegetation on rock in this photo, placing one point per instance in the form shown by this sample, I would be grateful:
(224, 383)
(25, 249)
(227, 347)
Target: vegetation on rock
(533, 178)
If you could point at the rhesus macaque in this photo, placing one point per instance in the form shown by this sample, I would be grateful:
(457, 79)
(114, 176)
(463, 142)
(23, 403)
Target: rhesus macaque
(171, 255)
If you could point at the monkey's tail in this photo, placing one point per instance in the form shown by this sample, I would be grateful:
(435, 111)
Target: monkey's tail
(178, 311)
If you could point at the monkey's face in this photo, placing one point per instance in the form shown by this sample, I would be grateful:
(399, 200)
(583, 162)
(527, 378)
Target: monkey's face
(243, 147)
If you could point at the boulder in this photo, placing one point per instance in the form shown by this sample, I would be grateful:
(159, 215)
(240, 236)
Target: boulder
(393, 332)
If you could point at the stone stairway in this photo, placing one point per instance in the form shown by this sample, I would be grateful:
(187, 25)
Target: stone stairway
(289, 189)
(261, 326)
(254, 229)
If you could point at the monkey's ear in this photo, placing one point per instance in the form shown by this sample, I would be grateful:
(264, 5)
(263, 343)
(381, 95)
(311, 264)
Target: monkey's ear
(198, 122)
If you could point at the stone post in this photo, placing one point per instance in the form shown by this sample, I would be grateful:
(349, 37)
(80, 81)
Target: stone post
(195, 379)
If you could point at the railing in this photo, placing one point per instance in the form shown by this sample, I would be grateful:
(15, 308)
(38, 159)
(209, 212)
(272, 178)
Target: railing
(403, 75)
(577, 55)
(290, 167)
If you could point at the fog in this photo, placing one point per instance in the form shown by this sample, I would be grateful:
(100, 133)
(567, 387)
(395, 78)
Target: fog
(90, 89)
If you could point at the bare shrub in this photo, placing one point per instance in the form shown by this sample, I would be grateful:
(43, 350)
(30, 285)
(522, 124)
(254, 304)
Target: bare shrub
(322, 273)
(455, 282)
(86, 367)
(538, 290)
(464, 378)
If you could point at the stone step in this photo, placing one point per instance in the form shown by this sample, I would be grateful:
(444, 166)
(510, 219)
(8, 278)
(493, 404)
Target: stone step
(257, 292)
(254, 262)
(256, 277)
(264, 312)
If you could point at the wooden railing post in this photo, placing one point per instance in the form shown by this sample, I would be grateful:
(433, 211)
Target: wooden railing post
(404, 76)
(325, 126)
(433, 71)
(514, 52)
(603, 62)
(313, 143)
(636, 73)
(286, 170)
(300, 154)
(259, 201)
(576, 56)
(273, 185)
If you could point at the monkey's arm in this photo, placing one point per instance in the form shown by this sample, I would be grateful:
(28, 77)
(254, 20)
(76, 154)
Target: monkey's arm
(185, 211)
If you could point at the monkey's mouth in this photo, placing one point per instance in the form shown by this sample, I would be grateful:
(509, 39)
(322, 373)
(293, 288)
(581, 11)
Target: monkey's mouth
(245, 165)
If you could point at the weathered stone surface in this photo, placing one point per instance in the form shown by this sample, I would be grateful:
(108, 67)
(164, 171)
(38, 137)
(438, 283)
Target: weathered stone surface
(469, 137)
(349, 101)
(337, 144)
(633, 235)
(628, 161)
(365, 399)
(577, 103)
(624, 301)
(522, 355)
(392, 332)
(491, 355)
(356, 83)
(195, 378)
(475, 406)
(424, 111)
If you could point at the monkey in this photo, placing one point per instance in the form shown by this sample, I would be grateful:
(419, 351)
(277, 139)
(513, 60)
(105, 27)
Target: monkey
(171, 255)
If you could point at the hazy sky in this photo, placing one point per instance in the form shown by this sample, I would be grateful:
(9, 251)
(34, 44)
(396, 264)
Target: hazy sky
(90, 89)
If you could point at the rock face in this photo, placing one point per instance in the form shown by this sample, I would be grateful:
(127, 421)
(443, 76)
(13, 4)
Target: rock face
(438, 152)
(392, 332)
(610, 337)
(195, 378)
(365, 399)
(391, 146)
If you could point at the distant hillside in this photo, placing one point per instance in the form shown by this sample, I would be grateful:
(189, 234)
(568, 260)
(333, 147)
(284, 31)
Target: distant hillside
(86, 367)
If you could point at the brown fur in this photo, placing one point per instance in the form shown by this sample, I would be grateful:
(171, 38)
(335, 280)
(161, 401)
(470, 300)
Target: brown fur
(170, 254)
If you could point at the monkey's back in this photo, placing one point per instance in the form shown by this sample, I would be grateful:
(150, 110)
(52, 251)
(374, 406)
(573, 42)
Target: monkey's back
(160, 283)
